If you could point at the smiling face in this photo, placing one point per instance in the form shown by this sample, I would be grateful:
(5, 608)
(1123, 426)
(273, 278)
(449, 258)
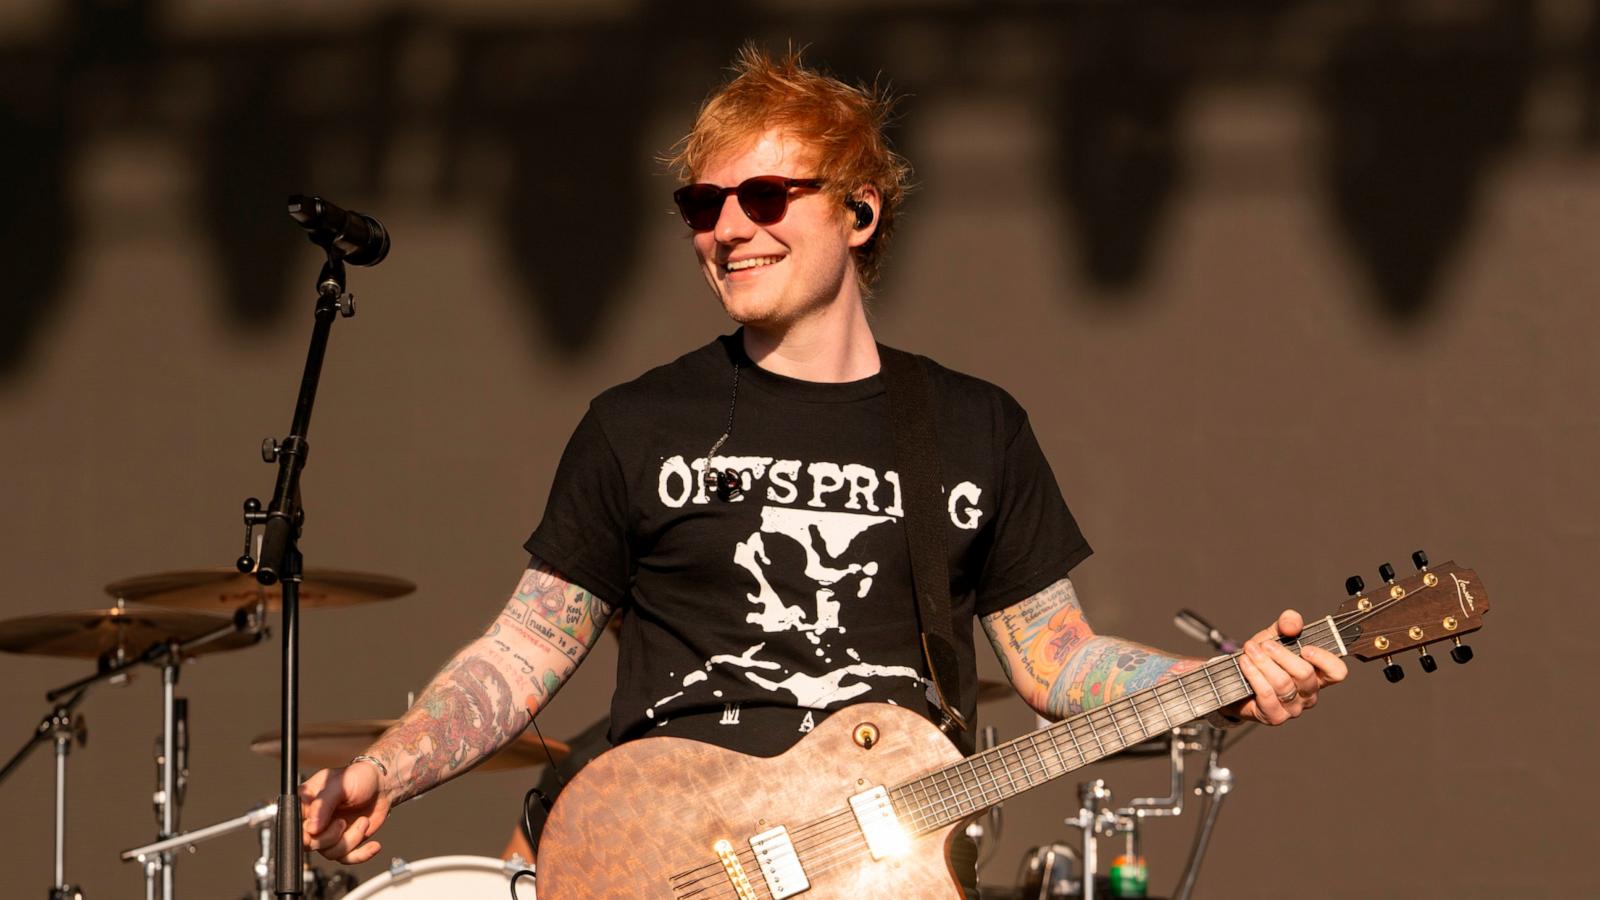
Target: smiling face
(769, 277)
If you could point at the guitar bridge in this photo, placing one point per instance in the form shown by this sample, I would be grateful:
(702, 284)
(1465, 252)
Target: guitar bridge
(780, 865)
(734, 870)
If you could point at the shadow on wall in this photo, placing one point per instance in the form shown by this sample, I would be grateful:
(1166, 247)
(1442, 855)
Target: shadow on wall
(1417, 104)
(1417, 112)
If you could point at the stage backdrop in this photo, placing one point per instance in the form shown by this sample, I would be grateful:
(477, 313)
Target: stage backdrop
(1288, 292)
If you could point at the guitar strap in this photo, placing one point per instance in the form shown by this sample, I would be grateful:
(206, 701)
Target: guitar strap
(916, 458)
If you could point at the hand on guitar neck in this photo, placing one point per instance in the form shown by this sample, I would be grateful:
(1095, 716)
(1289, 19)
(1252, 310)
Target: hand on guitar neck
(1285, 684)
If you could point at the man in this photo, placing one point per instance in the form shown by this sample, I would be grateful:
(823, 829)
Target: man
(781, 592)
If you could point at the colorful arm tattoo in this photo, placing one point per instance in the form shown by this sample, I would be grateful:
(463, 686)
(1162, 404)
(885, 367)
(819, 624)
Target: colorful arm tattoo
(487, 694)
(1060, 666)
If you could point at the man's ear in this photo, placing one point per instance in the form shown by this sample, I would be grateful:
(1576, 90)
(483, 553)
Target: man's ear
(863, 206)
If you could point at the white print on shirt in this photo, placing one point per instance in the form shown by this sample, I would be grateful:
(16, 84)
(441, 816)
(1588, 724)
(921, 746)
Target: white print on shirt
(807, 723)
(822, 508)
(821, 484)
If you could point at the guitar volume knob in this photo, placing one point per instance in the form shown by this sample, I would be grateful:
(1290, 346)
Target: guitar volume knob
(865, 735)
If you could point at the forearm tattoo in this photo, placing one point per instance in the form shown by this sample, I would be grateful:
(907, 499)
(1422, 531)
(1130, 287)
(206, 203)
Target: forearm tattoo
(1058, 663)
(466, 713)
(488, 693)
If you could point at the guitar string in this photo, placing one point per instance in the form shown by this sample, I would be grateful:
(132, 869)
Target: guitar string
(820, 842)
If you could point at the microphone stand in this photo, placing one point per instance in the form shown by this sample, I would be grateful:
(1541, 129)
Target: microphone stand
(280, 559)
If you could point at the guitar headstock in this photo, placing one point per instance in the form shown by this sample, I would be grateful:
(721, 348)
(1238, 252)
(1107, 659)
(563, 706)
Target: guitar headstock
(1438, 603)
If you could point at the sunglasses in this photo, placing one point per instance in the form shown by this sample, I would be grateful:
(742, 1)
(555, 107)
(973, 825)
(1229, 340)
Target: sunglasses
(764, 198)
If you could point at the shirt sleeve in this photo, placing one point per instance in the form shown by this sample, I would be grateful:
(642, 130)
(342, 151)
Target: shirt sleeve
(1036, 539)
(584, 532)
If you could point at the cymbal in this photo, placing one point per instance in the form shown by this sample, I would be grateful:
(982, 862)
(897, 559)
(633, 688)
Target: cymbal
(994, 690)
(92, 633)
(222, 589)
(330, 744)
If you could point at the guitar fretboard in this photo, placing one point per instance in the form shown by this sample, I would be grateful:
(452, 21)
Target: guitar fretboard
(981, 781)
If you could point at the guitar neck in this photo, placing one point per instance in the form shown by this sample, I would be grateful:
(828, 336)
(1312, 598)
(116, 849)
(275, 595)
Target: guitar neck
(963, 789)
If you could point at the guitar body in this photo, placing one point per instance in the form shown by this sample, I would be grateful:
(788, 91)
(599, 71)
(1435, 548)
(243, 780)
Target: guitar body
(653, 809)
(678, 819)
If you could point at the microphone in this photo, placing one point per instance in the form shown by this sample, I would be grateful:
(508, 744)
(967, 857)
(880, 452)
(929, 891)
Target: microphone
(1190, 623)
(180, 714)
(359, 239)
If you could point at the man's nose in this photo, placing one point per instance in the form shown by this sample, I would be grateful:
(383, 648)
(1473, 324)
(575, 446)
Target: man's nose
(732, 224)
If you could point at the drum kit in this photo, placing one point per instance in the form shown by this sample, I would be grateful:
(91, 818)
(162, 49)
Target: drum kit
(168, 619)
(1077, 870)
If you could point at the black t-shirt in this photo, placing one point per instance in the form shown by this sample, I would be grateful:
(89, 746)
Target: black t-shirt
(751, 620)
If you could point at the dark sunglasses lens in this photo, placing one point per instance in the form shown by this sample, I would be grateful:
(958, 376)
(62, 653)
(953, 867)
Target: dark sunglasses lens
(700, 205)
(764, 200)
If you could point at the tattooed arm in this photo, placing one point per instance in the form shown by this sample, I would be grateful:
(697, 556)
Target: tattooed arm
(1061, 667)
(479, 702)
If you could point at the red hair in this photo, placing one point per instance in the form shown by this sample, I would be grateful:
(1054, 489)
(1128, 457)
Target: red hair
(841, 123)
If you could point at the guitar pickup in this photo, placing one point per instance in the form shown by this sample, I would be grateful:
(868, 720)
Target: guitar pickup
(779, 863)
(879, 825)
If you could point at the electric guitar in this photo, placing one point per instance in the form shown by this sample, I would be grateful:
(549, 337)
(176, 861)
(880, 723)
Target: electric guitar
(867, 803)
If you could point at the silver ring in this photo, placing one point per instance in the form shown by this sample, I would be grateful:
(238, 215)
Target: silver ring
(1289, 697)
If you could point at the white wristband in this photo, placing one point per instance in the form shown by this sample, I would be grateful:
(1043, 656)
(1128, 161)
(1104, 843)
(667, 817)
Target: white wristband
(382, 769)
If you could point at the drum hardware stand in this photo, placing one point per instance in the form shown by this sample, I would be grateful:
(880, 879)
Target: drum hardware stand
(1098, 820)
(1215, 787)
(172, 762)
(279, 558)
(62, 726)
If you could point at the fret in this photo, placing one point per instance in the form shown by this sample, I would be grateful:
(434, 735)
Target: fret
(1095, 733)
(1049, 738)
(1239, 671)
(969, 780)
(956, 778)
(922, 804)
(1193, 711)
(1165, 700)
(1212, 682)
(1005, 769)
(1076, 747)
(1022, 768)
(1116, 726)
(983, 782)
(1161, 707)
(1133, 704)
(1044, 765)
(947, 793)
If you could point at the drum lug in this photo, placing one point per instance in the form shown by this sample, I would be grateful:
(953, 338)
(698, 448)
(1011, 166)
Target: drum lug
(399, 870)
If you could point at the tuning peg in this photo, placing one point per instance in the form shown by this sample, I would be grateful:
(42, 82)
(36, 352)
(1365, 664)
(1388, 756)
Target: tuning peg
(1429, 664)
(1354, 585)
(1386, 572)
(1392, 670)
(1461, 653)
(1420, 560)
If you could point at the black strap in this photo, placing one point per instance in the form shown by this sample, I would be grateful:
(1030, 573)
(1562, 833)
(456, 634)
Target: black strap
(916, 458)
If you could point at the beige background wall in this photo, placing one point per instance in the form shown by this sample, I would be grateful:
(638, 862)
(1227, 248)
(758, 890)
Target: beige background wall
(1239, 425)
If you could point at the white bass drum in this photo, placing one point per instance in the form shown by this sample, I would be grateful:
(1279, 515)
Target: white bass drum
(446, 878)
